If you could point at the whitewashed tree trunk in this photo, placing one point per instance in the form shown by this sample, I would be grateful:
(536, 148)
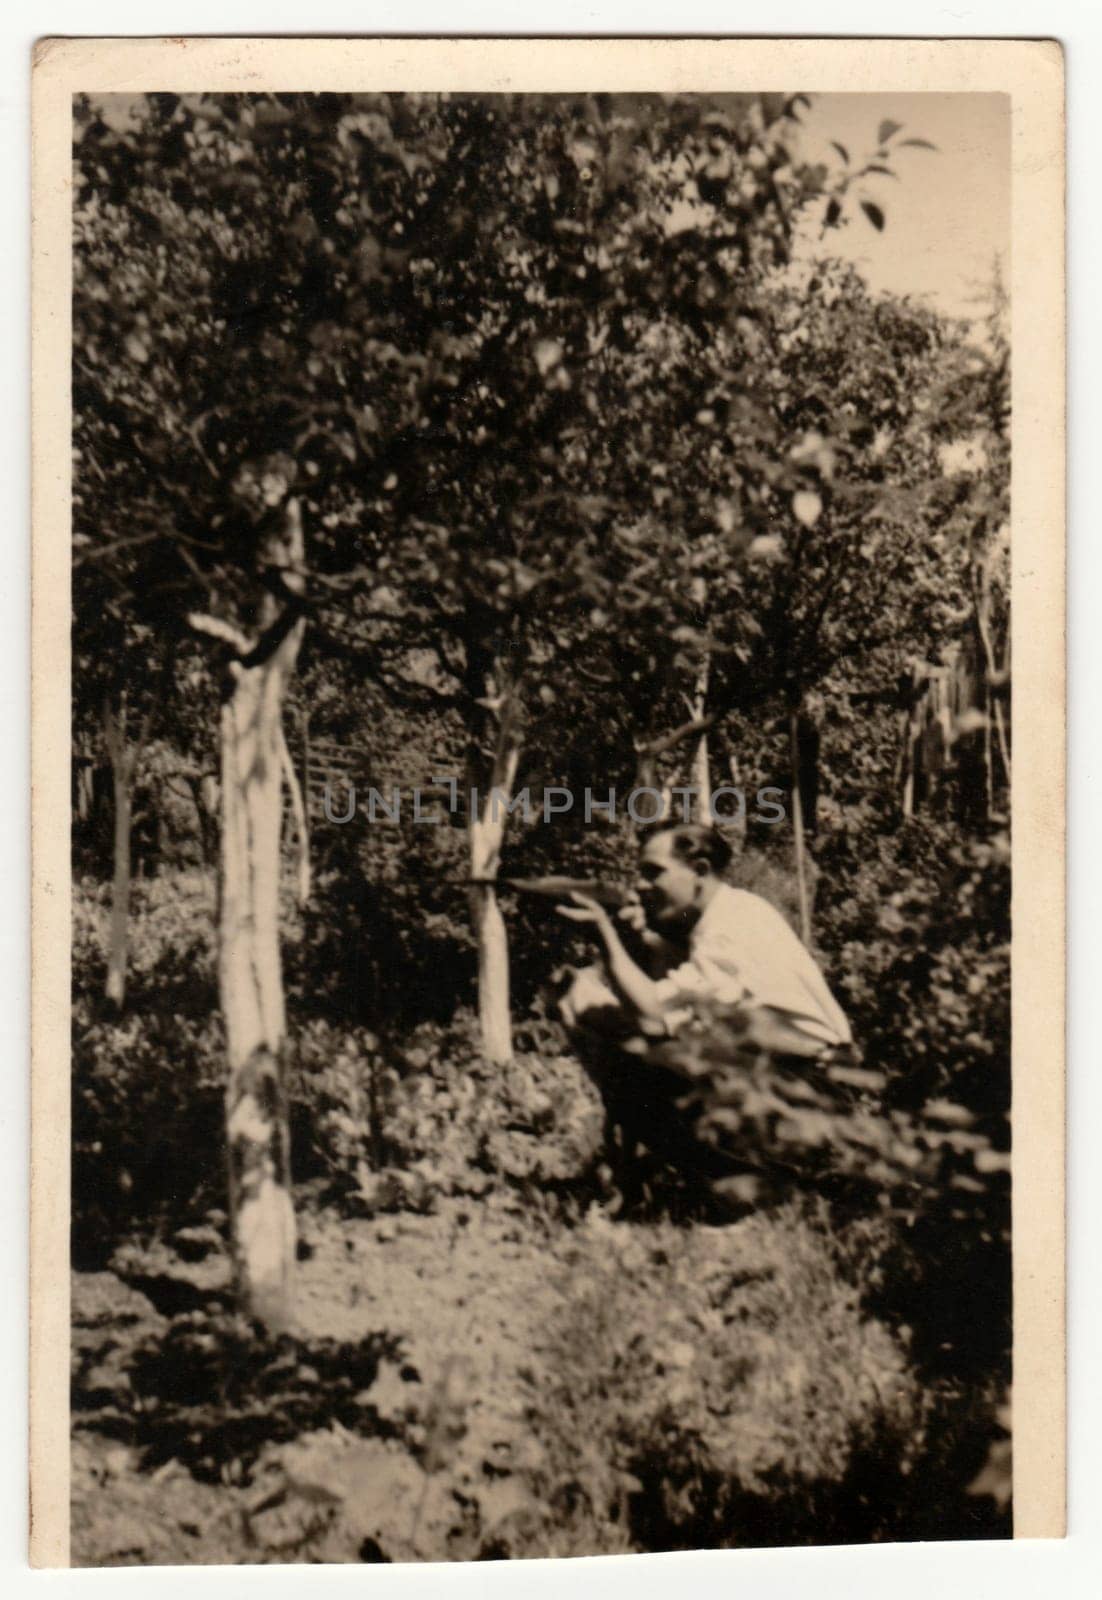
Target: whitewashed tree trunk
(486, 833)
(250, 971)
(494, 1020)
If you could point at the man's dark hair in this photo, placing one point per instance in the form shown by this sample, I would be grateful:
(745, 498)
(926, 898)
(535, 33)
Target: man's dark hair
(693, 843)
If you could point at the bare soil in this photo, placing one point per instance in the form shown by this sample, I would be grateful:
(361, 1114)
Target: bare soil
(466, 1291)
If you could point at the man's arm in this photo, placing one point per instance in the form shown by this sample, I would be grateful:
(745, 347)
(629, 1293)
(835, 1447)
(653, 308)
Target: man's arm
(628, 978)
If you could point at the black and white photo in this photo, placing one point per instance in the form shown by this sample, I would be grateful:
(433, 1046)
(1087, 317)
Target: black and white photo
(544, 709)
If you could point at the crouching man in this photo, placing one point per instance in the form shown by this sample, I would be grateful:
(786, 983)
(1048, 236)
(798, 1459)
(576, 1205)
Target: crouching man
(696, 938)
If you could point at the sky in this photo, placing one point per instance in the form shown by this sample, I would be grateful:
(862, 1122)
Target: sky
(948, 216)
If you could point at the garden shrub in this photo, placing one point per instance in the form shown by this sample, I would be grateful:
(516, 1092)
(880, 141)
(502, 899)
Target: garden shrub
(147, 1132)
(719, 1386)
(917, 924)
(917, 921)
(388, 1127)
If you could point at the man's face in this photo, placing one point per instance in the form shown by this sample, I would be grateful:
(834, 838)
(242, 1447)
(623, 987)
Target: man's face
(667, 886)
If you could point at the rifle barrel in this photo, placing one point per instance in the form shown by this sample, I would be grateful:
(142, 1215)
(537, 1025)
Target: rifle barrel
(559, 888)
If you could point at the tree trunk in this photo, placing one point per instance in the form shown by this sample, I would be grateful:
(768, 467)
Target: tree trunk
(700, 775)
(124, 762)
(486, 834)
(120, 886)
(250, 974)
(494, 1019)
(911, 727)
(302, 830)
(996, 677)
(85, 791)
(736, 829)
(1004, 742)
(204, 797)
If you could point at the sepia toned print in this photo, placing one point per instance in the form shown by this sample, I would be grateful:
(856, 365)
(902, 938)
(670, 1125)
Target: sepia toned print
(543, 728)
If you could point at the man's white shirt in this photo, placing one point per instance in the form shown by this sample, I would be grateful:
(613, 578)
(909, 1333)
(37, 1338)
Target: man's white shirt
(742, 951)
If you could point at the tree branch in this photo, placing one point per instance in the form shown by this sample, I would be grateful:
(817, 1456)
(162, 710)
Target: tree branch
(699, 725)
(217, 628)
(101, 552)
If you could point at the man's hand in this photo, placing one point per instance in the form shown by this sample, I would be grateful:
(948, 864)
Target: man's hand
(585, 910)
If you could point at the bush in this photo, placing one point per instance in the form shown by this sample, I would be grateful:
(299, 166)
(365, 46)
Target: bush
(773, 1126)
(721, 1386)
(387, 1127)
(377, 1125)
(917, 923)
(147, 1133)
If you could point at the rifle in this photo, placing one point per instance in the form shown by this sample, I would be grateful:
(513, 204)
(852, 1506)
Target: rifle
(554, 887)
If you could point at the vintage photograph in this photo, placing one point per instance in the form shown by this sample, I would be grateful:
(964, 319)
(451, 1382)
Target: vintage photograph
(541, 743)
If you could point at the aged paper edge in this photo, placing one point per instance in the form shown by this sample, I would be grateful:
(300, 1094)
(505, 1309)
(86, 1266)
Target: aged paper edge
(1032, 73)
